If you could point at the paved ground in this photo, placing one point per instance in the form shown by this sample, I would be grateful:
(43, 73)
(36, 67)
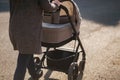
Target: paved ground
(100, 36)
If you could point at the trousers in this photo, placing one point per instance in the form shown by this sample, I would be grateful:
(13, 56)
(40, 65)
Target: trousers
(25, 61)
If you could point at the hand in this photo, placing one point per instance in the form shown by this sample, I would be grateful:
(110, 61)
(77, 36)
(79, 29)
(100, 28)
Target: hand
(57, 2)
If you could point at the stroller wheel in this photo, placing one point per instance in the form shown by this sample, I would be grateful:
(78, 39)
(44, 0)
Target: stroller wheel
(38, 70)
(82, 65)
(36, 59)
(73, 71)
(37, 63)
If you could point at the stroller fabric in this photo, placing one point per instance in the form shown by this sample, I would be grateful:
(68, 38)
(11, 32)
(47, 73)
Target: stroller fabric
(56, 32)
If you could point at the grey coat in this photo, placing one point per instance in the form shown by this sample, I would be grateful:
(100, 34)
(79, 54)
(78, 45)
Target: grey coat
(26, 24)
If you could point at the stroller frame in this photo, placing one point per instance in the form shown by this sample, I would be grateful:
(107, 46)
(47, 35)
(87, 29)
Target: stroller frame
(72, 74)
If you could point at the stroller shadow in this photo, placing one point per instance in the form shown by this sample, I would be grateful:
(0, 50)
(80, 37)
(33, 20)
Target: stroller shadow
(80, 76)
(49, 72)
(47, 75)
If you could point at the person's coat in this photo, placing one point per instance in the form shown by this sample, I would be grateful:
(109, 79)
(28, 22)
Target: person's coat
(26, 24)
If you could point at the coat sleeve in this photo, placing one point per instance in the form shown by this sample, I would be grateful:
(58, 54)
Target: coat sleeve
(47, 6)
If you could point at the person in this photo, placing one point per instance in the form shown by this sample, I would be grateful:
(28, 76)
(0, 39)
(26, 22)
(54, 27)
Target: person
(25, 27)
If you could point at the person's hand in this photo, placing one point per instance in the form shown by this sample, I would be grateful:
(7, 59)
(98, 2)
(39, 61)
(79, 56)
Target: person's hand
(56, 2)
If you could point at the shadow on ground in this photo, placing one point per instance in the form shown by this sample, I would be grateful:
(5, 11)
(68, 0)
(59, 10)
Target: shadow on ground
(106, 12)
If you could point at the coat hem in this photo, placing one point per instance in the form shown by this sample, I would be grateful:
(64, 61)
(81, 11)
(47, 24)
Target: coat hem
(28, 52)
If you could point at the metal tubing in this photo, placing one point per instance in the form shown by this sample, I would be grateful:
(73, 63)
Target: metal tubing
(79, 41)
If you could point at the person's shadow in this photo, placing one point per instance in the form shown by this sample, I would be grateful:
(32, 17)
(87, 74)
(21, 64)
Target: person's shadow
(47, 75)
(49, 72)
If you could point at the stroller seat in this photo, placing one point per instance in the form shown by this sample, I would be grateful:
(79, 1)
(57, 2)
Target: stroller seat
(56, 33)
(56, 27)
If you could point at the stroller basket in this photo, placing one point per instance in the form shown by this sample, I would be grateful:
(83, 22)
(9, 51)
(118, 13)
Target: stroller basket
(60, 60)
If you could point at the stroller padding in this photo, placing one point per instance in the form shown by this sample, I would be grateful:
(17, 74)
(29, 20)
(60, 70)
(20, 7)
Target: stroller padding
(56, 33)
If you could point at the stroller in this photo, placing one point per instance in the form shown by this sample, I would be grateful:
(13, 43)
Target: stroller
(59, 28)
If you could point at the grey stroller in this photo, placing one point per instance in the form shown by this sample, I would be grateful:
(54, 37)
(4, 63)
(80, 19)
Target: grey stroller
(59, 28)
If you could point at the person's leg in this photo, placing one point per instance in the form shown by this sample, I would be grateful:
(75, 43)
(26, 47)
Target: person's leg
(23, 60)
